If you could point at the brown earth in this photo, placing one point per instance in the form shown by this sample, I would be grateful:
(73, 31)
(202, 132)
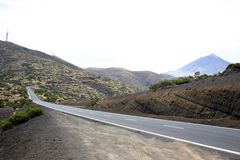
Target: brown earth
(55, 79)
(140, 79)
(56, 135)
(214, 101)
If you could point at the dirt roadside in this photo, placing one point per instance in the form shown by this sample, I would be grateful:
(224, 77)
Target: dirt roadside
(56, 135)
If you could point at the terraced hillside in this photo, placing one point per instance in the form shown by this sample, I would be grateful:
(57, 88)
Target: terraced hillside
(54, 79)
(215, 100)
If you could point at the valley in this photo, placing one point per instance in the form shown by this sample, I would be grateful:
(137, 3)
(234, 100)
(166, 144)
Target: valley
(119, 80)
(204, 99)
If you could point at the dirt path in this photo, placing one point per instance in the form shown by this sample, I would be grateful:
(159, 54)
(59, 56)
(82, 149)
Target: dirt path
(60, 136)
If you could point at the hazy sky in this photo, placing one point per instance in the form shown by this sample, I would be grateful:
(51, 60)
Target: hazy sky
(156, 35)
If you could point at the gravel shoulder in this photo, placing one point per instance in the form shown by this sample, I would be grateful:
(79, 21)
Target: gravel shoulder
(56, 135)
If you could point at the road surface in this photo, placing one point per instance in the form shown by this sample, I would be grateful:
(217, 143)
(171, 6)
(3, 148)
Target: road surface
(217, 138)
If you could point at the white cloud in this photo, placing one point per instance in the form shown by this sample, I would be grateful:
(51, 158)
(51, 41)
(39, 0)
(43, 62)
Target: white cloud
(135, 34)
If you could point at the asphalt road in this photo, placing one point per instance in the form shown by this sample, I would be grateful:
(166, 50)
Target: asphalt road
(217, 138)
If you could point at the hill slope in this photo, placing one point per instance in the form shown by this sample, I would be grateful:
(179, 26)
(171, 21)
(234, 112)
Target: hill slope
(140, 79)
(210, 65)
(52, 77)
(215, 100)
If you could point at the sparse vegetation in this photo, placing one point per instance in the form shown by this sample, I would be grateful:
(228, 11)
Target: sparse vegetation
(48, 96)
(140, 79)
(233, 67)
(167, 83)
(60, 80)
(20, 116)
(2, 103)
(162, 84)
(207, 99)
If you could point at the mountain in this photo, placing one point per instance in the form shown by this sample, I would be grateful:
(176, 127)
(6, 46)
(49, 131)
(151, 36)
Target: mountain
(53, 78)
(210, 65)
(140, 79)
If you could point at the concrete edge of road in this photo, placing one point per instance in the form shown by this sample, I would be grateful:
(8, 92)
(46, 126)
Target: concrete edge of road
(152, 133)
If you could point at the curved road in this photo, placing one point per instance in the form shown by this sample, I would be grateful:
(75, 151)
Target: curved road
(218, 138)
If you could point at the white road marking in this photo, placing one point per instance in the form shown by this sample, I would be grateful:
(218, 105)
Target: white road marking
(173, 127)
(105, 115)
(130, 119)
(140, 130)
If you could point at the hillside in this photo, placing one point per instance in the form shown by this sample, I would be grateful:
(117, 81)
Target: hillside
(53, 78)
(140, 79)
(210, 65)
(215, 100)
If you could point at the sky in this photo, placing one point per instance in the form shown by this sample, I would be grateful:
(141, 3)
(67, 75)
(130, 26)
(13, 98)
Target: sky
(155, 35)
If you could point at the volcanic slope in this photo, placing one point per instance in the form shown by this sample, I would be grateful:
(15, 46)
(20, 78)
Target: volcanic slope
(140, 79)
(53, 78)
(214, 100)
(211, 64)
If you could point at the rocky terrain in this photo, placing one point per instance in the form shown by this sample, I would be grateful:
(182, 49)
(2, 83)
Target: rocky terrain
(140, 79)
(53, 78)
(214, 100)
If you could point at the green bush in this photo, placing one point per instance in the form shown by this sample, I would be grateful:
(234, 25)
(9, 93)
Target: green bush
(13, 105)
(5, 124)
(162, 84)
(182, 80)
(167, 83)
(34, 112)
(19, 103)
(21, 116)
(39, 91)
(233, 67)
(51, 96)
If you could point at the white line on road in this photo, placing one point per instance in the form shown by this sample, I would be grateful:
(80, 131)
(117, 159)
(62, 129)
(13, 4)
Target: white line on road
(48, 105)
(130, 119)
(156, 134)
(173, 127)
(105, 115)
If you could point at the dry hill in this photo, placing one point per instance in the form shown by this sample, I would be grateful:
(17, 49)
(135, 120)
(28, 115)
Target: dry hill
(140, 79)
(53, 78)
(213, 100)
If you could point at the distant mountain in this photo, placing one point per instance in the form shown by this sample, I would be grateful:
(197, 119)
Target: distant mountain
(210, 65)
(53, 78)
(140, 79)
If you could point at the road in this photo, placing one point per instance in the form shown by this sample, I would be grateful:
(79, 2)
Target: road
(217, 138)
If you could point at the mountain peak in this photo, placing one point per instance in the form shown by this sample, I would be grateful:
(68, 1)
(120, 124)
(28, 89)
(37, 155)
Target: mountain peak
(210, 65)
(213, 55)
